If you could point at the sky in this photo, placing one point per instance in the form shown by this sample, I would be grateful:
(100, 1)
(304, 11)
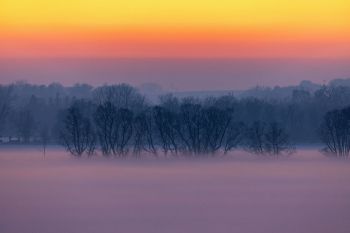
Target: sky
(182, 29)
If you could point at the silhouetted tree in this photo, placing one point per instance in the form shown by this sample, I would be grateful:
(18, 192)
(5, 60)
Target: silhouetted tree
(234, 136)
(271, 139)
(104, 118)
(166, 124)
(114, 127)
(144, 136)
(276, 140)
(335, 132)
(216, 123)
(6, 97)
(121, 96)
(25, 125)
(122, 132)
(189, 128)
(170, 102)
(78, 135)
(255, 137)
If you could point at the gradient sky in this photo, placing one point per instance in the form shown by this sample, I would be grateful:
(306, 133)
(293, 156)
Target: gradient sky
(181, 28)
(142, 29)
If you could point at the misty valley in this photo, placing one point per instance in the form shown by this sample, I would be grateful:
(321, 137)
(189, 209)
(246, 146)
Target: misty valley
(113, 159)
(186, 116)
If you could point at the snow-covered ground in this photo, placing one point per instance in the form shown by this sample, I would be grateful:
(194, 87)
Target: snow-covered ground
(305, 193)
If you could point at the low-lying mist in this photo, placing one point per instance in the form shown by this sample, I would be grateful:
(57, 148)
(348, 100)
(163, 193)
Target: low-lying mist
(304, 193)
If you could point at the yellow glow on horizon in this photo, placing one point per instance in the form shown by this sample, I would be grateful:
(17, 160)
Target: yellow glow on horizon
(323, 21)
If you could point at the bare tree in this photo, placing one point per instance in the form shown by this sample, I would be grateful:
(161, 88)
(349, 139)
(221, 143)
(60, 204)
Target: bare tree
(216, 125)
(166, 123)
(114, 128)
(6, 96)
(268, 138)
(276, 140)
(122, 132)
(255, 137)
(25, 125)
(335, 132)
(189, 128)
(77, 135)
(170, 102)
(121, 96)
(234, 135)
(104, 118)
(144, 138)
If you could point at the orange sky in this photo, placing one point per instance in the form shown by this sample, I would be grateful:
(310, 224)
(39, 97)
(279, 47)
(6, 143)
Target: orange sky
(207, 28)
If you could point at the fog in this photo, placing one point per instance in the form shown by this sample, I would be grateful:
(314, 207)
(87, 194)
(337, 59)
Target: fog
(306, 192)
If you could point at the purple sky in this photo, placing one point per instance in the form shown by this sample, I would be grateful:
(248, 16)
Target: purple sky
(175, 74)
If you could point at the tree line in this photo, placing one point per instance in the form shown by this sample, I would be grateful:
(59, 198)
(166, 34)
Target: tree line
(118, 121)
(188, 127)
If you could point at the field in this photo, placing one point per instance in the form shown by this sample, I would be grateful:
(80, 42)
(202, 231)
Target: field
(305, 193)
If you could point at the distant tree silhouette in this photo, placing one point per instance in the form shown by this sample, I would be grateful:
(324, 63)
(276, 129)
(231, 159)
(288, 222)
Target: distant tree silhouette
(123, 131)
(25, 125)
(335, 132)
(255, 140)
(77, 134)
(166, 124)
(276, 140)
(144, 135)
(121, 96)
(268, 139)
(234, 136)
(104, 118)
(202, 130)
(216, 125)
(6, 97)
(189, 128)
(115, 128)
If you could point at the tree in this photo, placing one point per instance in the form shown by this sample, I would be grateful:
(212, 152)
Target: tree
(25, 125)
(165, 124)
(216, 126)
(78, 135)
(144, 138)
(276, 140)
(114, 128)
(255, 140)
(104, 118)
(122, 131)
(121, 96)
(267, 138)
(189, 128)
(335, 132)
(6, 96)
(234, 135)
